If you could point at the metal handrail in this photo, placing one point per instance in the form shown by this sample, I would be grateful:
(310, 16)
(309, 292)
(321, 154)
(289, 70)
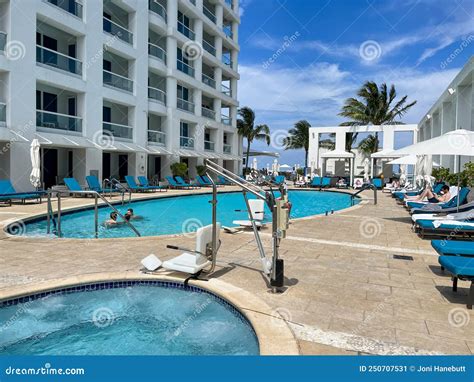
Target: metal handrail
(97, 196)
(364, 188)
(114, 183)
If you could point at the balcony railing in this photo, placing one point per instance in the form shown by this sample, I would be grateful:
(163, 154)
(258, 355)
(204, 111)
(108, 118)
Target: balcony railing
(226, 90)
(118, 130)
(193, 2)
(118, 30)
(185, 68)
(70, 6)
(118, 81)
(186, 142)
(227, 148)
(227, 61)
(155, 136)
(58, 121)
(228, 31)
(226, 120)
(58, 60)
(157, 51)
(183, 29)
(3, 41)
(157, 95)
(209, 81)
(208, 113)
(230, 4)
(209, 145)
(185, 105)
(209, 14)
(157, 8)
(3, 113)
(208, 47)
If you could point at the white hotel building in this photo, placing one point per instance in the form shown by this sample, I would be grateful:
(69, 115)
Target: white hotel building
(117, 87)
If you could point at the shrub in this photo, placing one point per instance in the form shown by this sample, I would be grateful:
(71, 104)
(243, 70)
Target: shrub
(179, 169)
(201, 170)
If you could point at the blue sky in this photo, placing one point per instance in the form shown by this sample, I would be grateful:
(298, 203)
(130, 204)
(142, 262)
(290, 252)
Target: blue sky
(300, 59)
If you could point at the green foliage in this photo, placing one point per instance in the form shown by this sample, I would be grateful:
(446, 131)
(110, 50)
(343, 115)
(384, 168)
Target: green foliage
(300, 171)
(369, 145)
(201, 170)
(466, 176)
(298, 138)
(179, 169)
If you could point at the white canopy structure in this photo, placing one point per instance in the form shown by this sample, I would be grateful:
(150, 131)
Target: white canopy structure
(341, 154)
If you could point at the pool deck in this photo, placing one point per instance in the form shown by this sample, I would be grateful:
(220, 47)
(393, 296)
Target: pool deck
(346, 294)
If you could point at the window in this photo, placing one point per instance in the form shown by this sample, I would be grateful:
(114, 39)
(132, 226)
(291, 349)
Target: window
(183, 93)
(184, 19)
(184, 129)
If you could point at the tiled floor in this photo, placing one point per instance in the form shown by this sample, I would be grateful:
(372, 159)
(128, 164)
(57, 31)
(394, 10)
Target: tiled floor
(346, 293)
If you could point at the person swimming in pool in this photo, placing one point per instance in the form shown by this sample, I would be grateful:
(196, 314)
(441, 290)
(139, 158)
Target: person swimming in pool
(113, 220)
(444, 196)
(130, 215)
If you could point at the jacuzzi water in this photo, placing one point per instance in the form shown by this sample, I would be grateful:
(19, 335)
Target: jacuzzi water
(134, 320)
(183, 214)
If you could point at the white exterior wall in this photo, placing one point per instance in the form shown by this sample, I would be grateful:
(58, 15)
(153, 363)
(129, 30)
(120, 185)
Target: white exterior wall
(19, 79)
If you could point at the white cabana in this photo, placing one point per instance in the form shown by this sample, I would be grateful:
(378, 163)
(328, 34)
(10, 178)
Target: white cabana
(384, 154)
(340, 154)
(35, 176)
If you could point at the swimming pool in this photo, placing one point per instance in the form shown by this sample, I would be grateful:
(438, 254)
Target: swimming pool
(182, 214)
(125, 318)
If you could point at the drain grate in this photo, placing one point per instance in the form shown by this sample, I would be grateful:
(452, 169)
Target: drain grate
(403, 257)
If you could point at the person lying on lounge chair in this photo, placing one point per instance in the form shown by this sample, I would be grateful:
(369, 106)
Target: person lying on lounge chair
(129, 215)
(444, 196)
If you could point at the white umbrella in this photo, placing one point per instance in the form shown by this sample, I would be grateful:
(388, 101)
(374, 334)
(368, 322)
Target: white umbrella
(35, 176)
(457, 142)
(285, 168)
(403, 174)
(275, 167)
(409, 160)
(255, 164)
(366, 169)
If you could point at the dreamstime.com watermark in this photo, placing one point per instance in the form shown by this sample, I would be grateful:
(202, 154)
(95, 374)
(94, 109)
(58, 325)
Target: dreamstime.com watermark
(47, 369)
(287, 42)
(456, 52)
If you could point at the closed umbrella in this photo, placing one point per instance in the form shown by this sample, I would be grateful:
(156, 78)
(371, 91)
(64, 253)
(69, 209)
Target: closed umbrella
(35, 176)
(255, 164)
(403, 174)
(275, 167)
(366, 169)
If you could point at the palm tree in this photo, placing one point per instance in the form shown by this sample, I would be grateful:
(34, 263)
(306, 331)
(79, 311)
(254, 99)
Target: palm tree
(374, 107)
(247, 129)
(369, 145)
(298, 138)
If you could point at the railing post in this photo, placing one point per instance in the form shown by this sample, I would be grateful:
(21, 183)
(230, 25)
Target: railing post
(96, 216)
(59, 214)
(48, 218)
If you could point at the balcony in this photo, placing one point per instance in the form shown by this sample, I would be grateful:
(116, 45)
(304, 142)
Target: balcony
(3, 113)
(186, 142)
(117, 81)
(229, 3)
(208, 113)
(209, 145)
(183, 29)
(208, 47)
(227, 61)
(227, 148)
(209, 14)
(226, 120)
(117, 130)
(58, 60)
(157, 8)
(3, 41)
(228, 31)
(193, 2)
(117, 30)
(58, 121)
(70, 6)
(185, 105)
(157, 95)
(209, 81)
(157, 52)
(185, 68)
(157, 137)
(226, 90)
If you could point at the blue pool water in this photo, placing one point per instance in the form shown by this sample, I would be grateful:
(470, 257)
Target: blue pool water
(184, 214)
(136, 320)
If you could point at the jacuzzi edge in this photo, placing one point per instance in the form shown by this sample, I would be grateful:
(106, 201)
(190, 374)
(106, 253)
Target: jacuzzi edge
(274, 336)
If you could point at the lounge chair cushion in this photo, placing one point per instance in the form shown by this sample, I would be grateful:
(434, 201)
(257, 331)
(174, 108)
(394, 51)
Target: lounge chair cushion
(72, 184)
(453, 247)
(446, 224)
(458, 266)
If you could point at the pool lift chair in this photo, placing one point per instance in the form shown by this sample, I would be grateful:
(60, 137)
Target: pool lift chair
(194, 262)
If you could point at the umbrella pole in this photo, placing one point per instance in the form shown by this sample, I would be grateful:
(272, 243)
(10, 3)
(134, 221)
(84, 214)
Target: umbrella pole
(459, 179)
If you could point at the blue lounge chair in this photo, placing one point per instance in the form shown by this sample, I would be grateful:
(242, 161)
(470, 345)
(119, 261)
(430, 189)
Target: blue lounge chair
(133, 186)
(143, 182)
(222, 181)
(203, 181)
(460, 268)
(326, 183)
(94, 185)
(279, 179)
(417, 207)
(316, 182)
(74, 187)
(377, 182)
(444, 228)
(453, 247)
(183, 183)
(401, 195)
(9, 194)
(174, 184)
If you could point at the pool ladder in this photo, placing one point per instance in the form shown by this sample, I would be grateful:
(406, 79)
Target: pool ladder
(50, 218)
(363, 188)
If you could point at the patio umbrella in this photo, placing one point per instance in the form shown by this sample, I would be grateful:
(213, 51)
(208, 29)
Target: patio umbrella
(285, 168)
(409, 160)
(255, 164)
(35, 176)
(403, 173)
(275, 167)
(457, 142)
(366, 169)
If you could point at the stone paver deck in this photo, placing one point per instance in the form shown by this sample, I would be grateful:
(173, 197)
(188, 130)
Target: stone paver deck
(346, 294)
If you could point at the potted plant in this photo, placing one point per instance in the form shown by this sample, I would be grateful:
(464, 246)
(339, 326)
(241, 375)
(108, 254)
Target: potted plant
(179, 169)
